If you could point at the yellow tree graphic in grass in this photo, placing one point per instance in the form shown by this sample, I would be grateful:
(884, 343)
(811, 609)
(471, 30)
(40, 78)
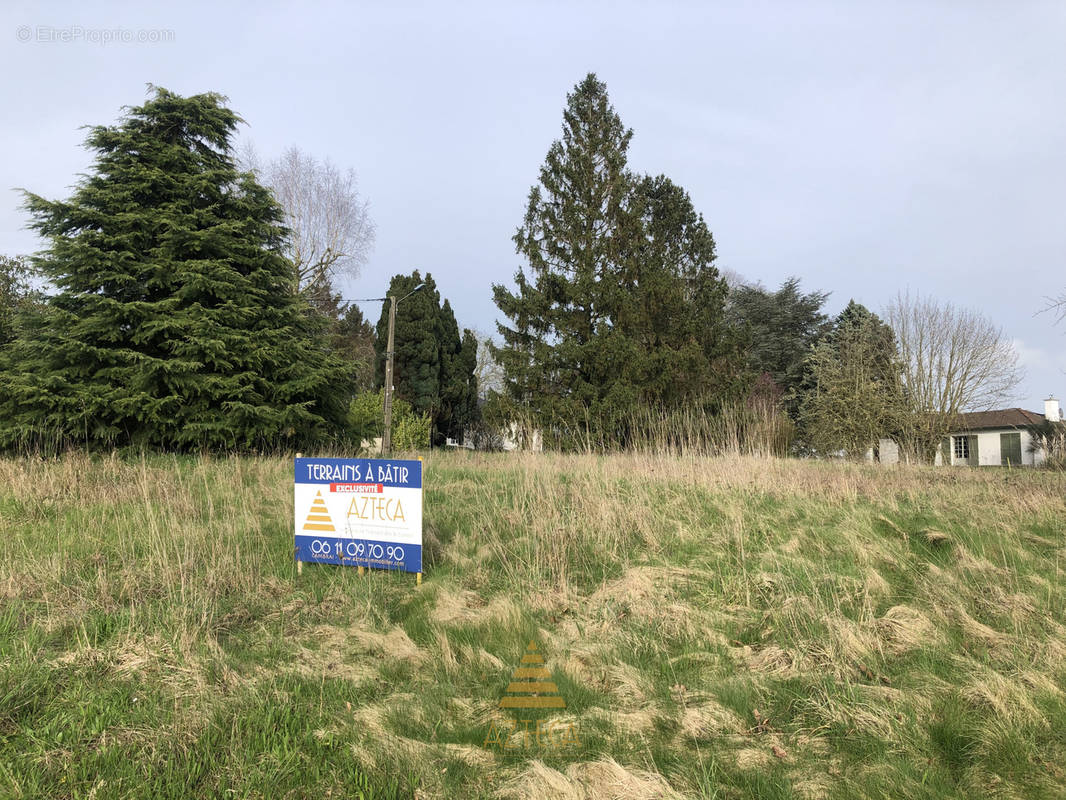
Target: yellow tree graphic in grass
(530, 686)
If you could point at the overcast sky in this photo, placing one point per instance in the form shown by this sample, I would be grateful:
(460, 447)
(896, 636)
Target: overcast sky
(866, 148)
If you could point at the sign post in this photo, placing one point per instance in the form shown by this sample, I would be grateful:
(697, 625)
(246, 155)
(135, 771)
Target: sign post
(359, 512)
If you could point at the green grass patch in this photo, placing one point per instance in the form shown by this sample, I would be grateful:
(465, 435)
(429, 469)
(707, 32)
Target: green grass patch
(731, 628)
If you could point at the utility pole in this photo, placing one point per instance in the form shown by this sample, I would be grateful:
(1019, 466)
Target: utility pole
(386, 435)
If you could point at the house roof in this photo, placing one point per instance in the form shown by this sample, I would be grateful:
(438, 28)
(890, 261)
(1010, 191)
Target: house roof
(1001, 418)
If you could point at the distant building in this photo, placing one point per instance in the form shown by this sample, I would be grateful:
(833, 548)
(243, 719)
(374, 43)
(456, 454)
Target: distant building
(517, 436)
(986, 439)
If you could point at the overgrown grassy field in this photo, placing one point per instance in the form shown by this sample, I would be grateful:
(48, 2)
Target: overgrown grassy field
(718, 628)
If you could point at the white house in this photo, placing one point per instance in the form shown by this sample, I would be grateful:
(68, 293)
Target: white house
(986, 439)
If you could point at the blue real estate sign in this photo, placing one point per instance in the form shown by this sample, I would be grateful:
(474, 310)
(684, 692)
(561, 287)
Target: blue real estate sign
(361, 512)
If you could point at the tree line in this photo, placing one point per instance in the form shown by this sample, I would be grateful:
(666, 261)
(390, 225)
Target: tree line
(189, 302)
(621, 330)
(184, 307)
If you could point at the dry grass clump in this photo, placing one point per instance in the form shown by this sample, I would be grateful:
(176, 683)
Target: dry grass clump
(705, 720)
(903, 628)
(467, 607)
(648, 593)
(772, 660)
(182, 675)
(352, 653)
(640, 590)
(394, 644)
(376, 745)
(976, 630)
(1004, 697)
(753, 758)
(584, 657)
(604, 779)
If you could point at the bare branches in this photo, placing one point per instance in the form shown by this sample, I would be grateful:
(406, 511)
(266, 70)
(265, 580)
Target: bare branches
(954, 360)
(1056, 305)
(487, 370)
(332, 233)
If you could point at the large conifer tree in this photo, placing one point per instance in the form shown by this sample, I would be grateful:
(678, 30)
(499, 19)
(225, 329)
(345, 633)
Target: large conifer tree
(669, 303)
(175, 321)
(571, 238)
(780, 328)
(416, 364)
(856, 393)
(434, 368)
(620, 307)
(458, 383)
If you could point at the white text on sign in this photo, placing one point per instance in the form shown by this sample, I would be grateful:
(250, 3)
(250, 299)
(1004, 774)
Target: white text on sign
(356, 472)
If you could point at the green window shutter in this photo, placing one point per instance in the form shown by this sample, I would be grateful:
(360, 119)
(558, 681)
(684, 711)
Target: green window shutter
(973, 459)
(1010, 449)
(945, 452)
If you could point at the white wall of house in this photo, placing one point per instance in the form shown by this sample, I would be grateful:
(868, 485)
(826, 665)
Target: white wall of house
(988, 448)
(988, 452)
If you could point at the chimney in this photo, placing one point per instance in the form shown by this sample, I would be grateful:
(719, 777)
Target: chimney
(1051, 410)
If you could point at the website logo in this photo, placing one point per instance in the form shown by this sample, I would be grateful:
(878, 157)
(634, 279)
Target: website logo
(529, 695)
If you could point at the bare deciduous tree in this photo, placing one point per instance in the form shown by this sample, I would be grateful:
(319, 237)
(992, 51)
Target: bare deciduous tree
(332, 233)
(954, 360)
(487, 370)
(732, 278)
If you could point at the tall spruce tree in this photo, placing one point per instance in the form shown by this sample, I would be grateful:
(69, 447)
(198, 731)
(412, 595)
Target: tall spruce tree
(458, 384)
(571, 239)
(433, 366)
(175, 321)
(459, 408)
(881, 339)
(417, 361)
(670, 303)
(470, 411)
(447, 423)
(620, 306)
(353, 338)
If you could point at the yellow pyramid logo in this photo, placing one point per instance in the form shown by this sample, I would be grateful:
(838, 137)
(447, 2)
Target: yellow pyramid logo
(530, 686)
(318, 517)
